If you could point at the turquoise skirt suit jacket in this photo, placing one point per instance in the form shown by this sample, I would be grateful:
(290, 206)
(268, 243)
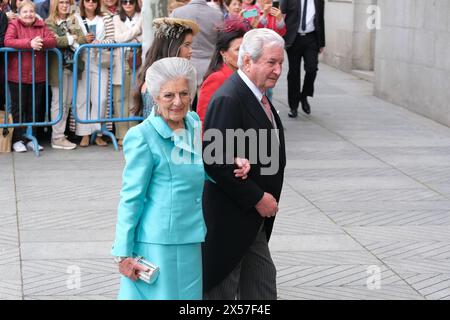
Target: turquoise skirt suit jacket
(160, 211)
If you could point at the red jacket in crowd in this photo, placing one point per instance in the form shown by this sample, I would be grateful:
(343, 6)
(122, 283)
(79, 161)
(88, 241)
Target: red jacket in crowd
(209, 87)
(19, 36)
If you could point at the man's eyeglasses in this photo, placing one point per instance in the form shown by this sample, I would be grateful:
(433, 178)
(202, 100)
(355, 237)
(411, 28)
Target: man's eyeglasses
(128, 2)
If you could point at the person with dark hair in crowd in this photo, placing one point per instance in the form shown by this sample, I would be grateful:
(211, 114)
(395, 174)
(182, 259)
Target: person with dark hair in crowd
(223, 62)
(27, 32)
(173, 38)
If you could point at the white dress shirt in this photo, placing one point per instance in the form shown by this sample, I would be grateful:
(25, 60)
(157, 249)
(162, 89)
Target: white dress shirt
(258, 94)
(310, 13)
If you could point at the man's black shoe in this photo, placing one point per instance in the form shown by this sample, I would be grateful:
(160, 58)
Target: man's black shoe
(292, 113)
(305, 106)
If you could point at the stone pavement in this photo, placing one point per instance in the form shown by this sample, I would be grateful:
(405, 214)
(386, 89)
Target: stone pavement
(365, 211)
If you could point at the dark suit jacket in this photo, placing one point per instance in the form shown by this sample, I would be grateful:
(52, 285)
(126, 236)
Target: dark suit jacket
(229, 204)
(292, 10)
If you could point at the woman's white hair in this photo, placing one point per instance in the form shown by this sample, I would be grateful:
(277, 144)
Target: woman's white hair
(168, 69)
(255, 41)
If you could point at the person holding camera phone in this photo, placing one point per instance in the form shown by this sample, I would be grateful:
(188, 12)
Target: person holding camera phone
(271, 17)
(235, 11)
(305, 39)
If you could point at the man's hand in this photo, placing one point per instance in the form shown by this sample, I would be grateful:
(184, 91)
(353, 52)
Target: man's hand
(267, 206)
(130, 268)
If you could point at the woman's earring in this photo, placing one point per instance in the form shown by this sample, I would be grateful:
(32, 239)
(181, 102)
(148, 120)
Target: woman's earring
(155, 107)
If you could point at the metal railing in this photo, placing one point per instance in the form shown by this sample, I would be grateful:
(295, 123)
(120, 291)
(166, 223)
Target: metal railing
(8, 107)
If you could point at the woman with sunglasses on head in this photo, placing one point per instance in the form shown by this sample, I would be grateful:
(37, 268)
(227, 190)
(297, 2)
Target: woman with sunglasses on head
(173, 38)
(127, 29)
(93, 23)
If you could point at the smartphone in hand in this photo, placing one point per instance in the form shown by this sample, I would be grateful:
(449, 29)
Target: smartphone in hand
(276, 4)
(93, 30)
(250, 13)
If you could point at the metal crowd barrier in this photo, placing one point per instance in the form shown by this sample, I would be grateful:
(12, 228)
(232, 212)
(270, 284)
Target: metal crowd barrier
(98, 49)
(87, 48)
(29, 125)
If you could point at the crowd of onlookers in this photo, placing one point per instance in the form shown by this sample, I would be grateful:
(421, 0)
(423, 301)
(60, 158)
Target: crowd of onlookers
(207, 33)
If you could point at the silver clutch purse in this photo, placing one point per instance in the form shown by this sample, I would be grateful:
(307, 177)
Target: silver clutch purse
(149, 276)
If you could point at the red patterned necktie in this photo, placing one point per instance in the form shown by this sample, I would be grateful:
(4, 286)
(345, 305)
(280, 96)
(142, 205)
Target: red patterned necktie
(267, 109)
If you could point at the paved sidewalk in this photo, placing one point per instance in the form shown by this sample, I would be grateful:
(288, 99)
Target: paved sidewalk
(365, 211)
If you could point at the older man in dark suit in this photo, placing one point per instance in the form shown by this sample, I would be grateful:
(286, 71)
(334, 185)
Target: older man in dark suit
(305, 38)
(239, 214)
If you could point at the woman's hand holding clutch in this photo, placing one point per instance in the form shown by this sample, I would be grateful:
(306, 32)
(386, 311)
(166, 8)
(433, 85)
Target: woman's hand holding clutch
(130, 268)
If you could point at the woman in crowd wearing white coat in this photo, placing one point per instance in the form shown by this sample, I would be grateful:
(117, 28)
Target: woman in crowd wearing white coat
(93, 106)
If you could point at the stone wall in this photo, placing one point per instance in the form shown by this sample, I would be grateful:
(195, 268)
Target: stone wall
(349, 41)
(412, 56)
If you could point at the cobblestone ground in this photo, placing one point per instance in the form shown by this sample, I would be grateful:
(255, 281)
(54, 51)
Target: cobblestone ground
(365, 211)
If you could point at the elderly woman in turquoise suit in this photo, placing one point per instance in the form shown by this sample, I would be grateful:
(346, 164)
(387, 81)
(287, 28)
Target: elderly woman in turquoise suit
(160, 212)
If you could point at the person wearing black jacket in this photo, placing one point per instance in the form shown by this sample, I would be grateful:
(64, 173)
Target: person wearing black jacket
(305, 39)
(239, 214)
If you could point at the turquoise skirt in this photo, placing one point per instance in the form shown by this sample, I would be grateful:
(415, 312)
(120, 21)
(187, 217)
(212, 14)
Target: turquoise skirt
(180, 276)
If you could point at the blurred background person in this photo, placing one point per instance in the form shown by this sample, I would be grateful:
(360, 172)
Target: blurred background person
(111, 6)
(218, 5)
(223, 62)
(127, 29)
(89, 16)
(69, 36)
(27, 32)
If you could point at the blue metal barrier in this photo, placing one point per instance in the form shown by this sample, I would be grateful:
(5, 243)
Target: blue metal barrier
(98, 50)
(29, 125)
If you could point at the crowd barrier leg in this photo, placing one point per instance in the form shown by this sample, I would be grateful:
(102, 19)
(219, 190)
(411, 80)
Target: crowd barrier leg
(106, 132)
(29, 136)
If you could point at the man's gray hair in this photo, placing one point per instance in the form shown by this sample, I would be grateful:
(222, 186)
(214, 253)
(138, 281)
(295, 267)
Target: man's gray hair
(168, 69)
(255, 41)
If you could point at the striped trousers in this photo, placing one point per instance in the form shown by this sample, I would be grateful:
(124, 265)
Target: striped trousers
(254, 278)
